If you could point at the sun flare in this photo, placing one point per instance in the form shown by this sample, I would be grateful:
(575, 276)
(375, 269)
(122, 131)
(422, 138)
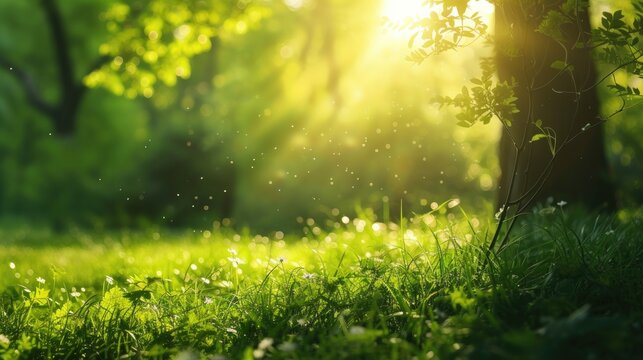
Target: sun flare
(398, 10)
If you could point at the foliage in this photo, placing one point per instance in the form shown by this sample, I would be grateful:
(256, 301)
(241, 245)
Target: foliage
(156, 39)
(616, 43)
(453, 28)
(486, 100)
(368, 289)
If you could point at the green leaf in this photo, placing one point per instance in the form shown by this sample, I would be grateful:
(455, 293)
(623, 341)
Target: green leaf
(559, 65)
(537, 137)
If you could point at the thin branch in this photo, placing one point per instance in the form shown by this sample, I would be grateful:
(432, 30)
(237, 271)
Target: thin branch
(34, 97)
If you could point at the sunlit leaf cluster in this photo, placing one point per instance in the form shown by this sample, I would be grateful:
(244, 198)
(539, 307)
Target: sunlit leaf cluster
(153, 41)
(450, 26)
(486, 99)
(618, 41)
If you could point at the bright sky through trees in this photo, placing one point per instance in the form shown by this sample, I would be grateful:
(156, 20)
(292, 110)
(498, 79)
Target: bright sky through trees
(398, 10)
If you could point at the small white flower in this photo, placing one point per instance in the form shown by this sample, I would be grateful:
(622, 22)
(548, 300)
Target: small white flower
(109, 280)
(231, 330)
(207, 300)
(75, 294)
(193, 267)
(232, 251)
(236, 261)
(281, 259)
(502, 209)
(308, 276)
(4, 341)
(265, 343)
(302, 322)
(205, 280)
(12, 266)
(40, 280)
(561, 203)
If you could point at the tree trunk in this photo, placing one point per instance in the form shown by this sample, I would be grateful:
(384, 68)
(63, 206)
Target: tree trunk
(62, 113)
(565, 101)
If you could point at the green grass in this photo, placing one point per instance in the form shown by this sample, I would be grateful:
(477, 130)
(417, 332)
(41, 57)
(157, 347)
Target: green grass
(567, 286)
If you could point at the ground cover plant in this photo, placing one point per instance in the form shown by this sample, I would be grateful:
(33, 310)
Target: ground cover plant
(564, 288)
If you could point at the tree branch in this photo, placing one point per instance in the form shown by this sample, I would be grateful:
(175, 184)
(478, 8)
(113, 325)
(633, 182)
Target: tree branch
(34, 97)
(61, 46)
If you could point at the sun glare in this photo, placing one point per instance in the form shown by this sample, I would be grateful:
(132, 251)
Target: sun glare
(398, 10)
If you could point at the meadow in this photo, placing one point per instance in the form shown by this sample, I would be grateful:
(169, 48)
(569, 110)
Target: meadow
(568, 285)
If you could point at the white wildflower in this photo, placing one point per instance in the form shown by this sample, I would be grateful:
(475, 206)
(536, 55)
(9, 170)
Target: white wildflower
(308, 276)
(500, 211)
(109, 280)
(208, 300)
(265, 343)
(236, 261)
(12, 266)
(40, 280)
(231, 330)
(75, 294)
(205, 280)
(561, 203)
(4, 341)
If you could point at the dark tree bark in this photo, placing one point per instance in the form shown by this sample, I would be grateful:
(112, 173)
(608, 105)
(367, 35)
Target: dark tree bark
(565, 101)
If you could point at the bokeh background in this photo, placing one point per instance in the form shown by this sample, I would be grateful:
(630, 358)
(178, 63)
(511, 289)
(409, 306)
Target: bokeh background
(290, 110)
